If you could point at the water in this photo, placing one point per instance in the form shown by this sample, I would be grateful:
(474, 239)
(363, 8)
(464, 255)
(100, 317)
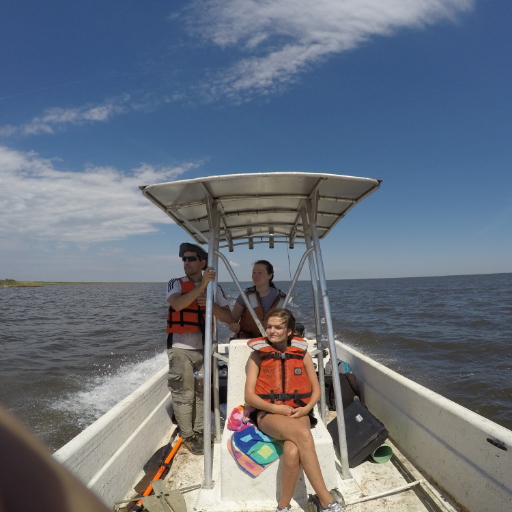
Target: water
(71, 352)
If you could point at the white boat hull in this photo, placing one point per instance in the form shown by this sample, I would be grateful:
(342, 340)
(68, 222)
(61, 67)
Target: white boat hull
(108, 456)
(445, 440)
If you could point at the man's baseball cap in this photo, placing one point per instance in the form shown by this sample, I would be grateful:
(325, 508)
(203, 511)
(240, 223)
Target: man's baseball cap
(203, 255)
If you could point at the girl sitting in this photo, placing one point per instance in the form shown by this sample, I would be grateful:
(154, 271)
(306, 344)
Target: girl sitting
(286, 414)
(263, 296)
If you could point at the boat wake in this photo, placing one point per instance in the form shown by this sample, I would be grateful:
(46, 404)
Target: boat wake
(105, 391)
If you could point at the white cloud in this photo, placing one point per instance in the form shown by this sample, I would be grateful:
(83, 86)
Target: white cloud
(38, 201)
(57, 118)
(276, 40)
(234, 264)
(282, 38)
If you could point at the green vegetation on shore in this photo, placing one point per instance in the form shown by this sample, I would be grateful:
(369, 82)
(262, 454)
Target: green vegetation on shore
(4, 283)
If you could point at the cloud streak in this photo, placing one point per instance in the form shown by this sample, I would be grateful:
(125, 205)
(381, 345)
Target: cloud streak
(39, 201)
(274, 43)
(280, 39)
(56, 118)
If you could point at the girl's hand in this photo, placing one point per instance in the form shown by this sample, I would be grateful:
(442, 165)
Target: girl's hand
(235, 327)
(285, 410)
(299, 412)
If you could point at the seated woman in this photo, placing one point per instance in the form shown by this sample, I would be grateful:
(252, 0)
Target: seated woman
(287, 414)
(263, 296)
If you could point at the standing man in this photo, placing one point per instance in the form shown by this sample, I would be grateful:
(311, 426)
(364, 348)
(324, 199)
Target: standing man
(185, 340)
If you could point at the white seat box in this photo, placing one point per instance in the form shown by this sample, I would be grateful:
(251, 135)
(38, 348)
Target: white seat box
(237, 485)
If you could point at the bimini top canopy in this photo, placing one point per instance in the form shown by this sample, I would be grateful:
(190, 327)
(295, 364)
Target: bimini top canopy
(259, 208)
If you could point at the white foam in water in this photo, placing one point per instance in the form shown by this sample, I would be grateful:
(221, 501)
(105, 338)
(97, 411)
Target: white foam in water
(105, 391)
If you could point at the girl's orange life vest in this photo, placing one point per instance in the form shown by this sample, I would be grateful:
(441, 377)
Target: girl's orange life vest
(248, 327)
(282, 378)
(189, 319)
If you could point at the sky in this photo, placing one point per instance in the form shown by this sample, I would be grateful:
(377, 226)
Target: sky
(97, 98)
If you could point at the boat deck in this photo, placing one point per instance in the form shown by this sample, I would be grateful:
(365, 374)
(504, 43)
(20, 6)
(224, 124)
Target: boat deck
(369, 479)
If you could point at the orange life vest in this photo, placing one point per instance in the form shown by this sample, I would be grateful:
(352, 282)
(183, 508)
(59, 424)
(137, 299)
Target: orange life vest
(189, 319)
(248, 327)
(282, 378)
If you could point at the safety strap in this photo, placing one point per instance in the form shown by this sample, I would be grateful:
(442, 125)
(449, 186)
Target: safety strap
(282, 355)
(296, 397)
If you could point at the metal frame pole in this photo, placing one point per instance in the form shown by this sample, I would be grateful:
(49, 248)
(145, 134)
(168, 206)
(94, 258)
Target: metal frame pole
(215, 363)
(213, 243)
(345, 471)
(242, 293)
(296, 276)
(216, 385)
(318, 320)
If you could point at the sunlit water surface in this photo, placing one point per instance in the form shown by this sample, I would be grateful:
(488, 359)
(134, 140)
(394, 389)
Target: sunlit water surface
(71, 352)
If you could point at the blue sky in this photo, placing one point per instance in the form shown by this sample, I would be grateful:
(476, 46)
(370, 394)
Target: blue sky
(99, 97)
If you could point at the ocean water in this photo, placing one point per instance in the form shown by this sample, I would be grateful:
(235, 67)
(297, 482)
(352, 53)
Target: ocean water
(71, 352)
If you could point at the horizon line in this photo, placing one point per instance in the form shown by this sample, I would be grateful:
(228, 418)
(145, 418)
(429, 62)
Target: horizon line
(279, 280)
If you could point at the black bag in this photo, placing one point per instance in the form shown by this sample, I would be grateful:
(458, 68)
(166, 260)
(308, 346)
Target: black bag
(365, 433)
(349, 390)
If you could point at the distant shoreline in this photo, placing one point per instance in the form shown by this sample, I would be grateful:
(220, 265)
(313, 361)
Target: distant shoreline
(12, 283)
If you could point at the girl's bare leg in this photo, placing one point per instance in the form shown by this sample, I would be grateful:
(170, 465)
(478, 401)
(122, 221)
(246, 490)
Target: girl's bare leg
(298, 432)
(290, 473)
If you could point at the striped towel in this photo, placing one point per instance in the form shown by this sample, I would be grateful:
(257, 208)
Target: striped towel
(245, 463)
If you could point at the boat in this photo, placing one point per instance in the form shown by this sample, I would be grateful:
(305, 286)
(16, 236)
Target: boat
(445, 457)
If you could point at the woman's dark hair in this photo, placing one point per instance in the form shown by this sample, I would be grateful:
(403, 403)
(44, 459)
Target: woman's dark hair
(286, 315)
(270, 270)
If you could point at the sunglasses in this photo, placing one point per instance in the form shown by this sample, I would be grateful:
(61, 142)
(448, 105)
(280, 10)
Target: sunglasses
(189, 258)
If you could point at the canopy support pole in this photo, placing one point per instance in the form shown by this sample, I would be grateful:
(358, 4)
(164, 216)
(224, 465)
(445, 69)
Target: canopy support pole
(312, 207)
(215, 363)
(242, 293)
(318, 320)
(216, 385)
(213, 244)
(180, 220)
(296, 276)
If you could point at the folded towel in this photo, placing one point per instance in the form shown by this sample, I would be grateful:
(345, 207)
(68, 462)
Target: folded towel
(258, 446)
(252, 450)
(245, 463)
